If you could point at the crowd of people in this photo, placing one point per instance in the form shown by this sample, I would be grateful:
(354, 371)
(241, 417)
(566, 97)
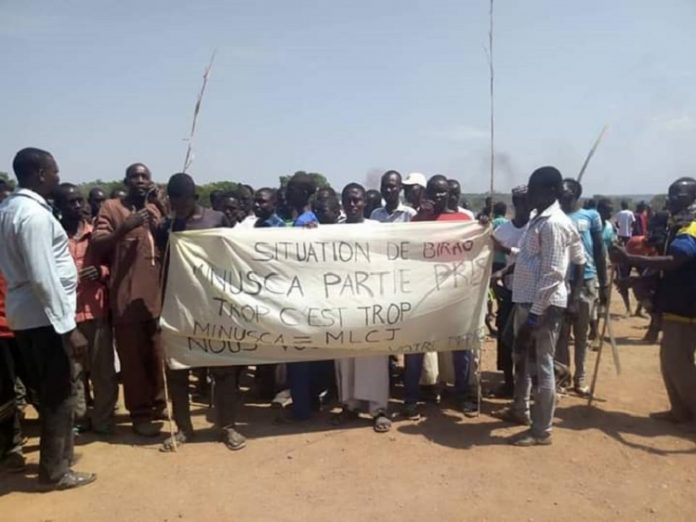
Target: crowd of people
(82, 276)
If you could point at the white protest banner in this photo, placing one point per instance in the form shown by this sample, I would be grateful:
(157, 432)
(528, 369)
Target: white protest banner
(247, 296)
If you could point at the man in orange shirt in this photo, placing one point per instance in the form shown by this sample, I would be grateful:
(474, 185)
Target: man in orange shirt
(91, 317)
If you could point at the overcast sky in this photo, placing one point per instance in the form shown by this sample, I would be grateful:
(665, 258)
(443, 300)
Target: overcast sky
(350, 88)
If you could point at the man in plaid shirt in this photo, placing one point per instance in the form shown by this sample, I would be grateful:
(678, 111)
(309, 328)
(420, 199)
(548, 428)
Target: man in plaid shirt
(547, 249)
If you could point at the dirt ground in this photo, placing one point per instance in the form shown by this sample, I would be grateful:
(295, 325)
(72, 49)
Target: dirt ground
(607, 462)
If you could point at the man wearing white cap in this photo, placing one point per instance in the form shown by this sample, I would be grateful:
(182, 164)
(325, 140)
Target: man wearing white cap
(414, 185)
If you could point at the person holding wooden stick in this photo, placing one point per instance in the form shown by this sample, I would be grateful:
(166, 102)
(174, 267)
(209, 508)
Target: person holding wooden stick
(125, 233)
(676, 301)
(588, 224)
(189, 215)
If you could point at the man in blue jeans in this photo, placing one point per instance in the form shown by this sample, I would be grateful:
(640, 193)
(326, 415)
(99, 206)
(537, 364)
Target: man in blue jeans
(547, 248)
(434, 208)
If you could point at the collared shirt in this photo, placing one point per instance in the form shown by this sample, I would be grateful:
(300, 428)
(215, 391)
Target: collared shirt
(91, 295)
(508, 235)
(273, 221)
(35, 260)
(547, 247)
(401, 214)
(134, 284)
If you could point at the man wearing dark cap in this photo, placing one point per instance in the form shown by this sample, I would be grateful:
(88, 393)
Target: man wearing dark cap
(676, 301)
(41, 300)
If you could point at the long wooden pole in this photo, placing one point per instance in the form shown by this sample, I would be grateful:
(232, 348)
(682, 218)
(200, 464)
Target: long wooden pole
(189, 150)
(492, 101)
(591, 153)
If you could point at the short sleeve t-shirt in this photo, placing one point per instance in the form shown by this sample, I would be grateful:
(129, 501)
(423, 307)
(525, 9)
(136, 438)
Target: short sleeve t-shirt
(625, 220)
(608, 235)
(499, 257)
(305, 219)
(509, 236)
(586, 222)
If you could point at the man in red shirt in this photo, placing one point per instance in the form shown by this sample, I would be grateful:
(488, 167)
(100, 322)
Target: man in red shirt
(434, 208)
(97, 366)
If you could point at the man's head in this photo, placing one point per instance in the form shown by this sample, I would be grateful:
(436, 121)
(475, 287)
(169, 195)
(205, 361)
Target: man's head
(437, 191)
(181, 191)
(500, 209)
(373, 200)
(605, 208)
(215, 199)
(246, 199)
(544, 188)
(327, 210)
(353, 200)
(641, 207)
(681, 195)
(624, 205)
(520, 200)
(300, 188)
(36, 170)
(264, 203)
(455, 194)
(390, 187)
(231, 207)
(572, 190)
(325, 193)
(414, 188)
(69, 202)
(138, 180)
(118, 193)
(96, 199)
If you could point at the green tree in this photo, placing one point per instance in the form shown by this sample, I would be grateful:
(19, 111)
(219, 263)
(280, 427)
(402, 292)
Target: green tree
(4, 176)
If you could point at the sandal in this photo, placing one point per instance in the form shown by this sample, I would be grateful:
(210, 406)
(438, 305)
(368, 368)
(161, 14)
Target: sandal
(344, 416)
(382, 424)
(180, 438)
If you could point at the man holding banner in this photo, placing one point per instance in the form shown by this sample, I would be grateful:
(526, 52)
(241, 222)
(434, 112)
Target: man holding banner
(362, 380)
(188, 215)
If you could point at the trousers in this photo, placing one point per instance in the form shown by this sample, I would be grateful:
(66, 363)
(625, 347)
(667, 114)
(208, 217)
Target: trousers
(49, 367)
(678, 368)
(97, 367)
(580, 325)
(140, 352)
(534, 369)
(461, 360)
(225, 397)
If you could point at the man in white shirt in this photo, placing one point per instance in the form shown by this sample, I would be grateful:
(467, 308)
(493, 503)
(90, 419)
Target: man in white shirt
(547, 248)
(625, 220)
(506, 239)
(393, 210)
(41, 303)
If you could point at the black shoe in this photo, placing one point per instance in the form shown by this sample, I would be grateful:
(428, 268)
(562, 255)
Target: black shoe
(14, 462)
(71, 480)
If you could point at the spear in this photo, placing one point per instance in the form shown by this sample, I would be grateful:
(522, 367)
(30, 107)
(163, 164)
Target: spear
(591, 153)
(189, 150)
